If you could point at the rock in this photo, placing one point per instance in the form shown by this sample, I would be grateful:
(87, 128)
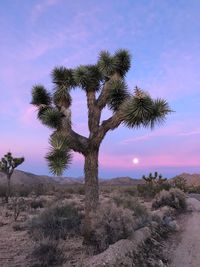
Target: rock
(121, 253)
(174, 226)
(193, 204)
(167, 219)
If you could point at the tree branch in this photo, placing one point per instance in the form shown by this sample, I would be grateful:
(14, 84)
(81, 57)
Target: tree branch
(109, 124)
(103, 97)
(77, 142)
(93, 112)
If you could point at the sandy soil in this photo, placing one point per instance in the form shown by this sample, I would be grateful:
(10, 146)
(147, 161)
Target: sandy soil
(14, 247)
(185, 250)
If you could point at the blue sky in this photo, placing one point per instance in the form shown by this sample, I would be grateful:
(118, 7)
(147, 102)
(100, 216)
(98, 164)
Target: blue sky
(163, 38)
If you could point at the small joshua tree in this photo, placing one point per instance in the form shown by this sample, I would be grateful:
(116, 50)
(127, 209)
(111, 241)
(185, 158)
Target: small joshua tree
(154, 178)
(104, 85)
(7, 166)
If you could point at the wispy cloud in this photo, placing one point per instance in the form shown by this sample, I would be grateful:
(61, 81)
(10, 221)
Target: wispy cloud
(41, 7)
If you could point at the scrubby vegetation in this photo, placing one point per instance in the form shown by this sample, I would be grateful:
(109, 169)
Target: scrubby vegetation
(56, 217)
(56, 222)
(47, 253)
(174, 198)
(109, 224)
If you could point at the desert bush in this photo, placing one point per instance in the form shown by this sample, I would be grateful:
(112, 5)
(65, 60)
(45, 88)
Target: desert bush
(149, 190)
(130, 190)
(19, 226)
(47, 253)
(37, 203)
(193, 189)
(140, 213)
(75, 189)
(174, 198)
(22, 190)
(56, 222)
(109, 224)
(39, 189)
(17, 205)
(130, 203)
(180, 182)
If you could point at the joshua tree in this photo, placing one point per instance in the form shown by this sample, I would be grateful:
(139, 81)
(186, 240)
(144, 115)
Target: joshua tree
(104, 85)
(7, 166)
(154, 178)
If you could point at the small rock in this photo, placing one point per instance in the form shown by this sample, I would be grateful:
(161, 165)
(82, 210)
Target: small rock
(174, 226)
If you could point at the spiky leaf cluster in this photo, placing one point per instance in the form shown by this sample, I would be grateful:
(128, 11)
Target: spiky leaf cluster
(62, 76)
(118, 94)
(40, 96)
(41, 111)
(88, 77)
(59, 156)
(106, 63)
(138, 112)
(51, 117)
(120, 63)
(160, 110)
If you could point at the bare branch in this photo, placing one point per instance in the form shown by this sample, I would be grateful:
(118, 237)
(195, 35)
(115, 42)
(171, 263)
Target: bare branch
(93, 112)
(109, 124)
(103, 97)
(77, 142)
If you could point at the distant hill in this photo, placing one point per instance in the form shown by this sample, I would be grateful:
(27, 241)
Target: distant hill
(191, 179)
(22, 177)
(121, 181)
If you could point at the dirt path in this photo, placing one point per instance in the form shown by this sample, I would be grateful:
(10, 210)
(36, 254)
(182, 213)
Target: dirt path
(14, 247)
(187, 252)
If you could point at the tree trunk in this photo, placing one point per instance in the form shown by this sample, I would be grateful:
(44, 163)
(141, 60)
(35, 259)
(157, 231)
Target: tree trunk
(8, 188)
(91, 189)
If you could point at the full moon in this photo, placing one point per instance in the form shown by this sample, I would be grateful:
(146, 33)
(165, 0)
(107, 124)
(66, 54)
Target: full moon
(135, 161)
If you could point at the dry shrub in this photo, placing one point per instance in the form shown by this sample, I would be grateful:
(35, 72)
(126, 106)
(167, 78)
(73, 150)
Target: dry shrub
(130, 203)
(174, 198)
(109, 224)
(17, 205)
(130, 190)
(22, 190)
(149, 190)
(56, 222)
(37, 203)
(47, 253)
(140, 213)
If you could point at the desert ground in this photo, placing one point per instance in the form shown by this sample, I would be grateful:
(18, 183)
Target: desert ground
(164, 232)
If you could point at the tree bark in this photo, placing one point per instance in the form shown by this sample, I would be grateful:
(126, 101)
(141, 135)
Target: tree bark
(91, 189)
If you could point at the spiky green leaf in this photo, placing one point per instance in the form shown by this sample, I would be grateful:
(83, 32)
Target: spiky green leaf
(58, 141)
(52, 118)
(138, 112)
(118, 94)
(106, 63)
(63, 77)
(88, 77)
(40, 96)
(122, 61)
(41, 111)
(160, 110)
(58, 161)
